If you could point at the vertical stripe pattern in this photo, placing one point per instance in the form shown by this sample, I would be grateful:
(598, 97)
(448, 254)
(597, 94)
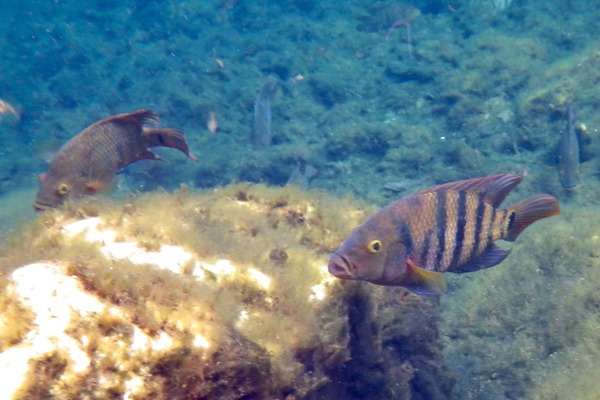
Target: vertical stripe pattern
(440, 226)
(473, 217)
(451, 228)
(461, 227)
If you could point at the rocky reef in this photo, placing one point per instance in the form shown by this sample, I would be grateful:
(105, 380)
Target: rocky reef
(215, 295)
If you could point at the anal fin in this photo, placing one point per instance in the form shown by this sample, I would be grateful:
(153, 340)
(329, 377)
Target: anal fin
(493, 255)
(147, 155)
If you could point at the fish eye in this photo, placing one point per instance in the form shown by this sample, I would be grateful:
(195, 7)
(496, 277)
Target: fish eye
(62, 189)
(374, 246)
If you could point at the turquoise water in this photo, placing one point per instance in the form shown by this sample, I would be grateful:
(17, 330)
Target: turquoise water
(479, 91)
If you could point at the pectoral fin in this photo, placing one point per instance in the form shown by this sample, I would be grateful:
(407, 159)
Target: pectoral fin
(423, 281)
(94, 187)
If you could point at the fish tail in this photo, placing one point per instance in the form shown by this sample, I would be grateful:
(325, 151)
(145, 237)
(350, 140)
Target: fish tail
(167, 137)
(528, 211)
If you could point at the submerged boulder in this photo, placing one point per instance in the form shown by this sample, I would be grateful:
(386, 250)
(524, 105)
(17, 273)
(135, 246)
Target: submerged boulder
(216, 295)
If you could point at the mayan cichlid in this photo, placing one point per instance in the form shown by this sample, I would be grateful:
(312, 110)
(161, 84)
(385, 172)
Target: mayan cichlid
(446, 228)
(568, 154)
(88, 162)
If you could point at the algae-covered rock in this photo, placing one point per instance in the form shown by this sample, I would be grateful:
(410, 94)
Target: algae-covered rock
(219, 295)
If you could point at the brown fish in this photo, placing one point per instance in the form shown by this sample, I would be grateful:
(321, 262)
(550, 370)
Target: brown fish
(88, 162)
(446, 228)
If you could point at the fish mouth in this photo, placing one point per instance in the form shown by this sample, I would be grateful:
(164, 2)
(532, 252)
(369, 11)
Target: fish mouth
(39, 207)
(340, 267)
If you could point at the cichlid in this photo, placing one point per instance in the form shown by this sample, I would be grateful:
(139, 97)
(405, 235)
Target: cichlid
(446, 228)
(302, 175)
(568, 156)
(261, 124)
(89, 161)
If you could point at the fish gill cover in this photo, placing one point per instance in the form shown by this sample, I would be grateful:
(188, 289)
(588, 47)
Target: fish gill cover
(482, 92)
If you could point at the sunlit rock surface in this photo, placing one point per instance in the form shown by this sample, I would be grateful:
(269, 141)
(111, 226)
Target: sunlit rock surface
(222, 295)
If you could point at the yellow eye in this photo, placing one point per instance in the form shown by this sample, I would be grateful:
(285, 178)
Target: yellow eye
(62, 189)
(374, 246)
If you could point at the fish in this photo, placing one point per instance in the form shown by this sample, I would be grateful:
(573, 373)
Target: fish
(568, 155)
(302, 175)
(89, 161)
(390, 17)
(261, 124)
(8, 112)
(386, 17)
(451, 227)
(212, 123)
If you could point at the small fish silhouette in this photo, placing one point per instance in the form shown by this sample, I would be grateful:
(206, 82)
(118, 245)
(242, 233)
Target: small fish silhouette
(302, 175)
(212, 123)
(568, 156)
(261, 125)
(389, 17)
(90, 160)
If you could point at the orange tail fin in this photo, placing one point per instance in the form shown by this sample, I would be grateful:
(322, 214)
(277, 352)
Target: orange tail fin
(530, 210)
(168, 138)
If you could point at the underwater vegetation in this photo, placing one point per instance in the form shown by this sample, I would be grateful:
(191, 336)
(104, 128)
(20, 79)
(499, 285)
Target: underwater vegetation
(527, 329)
(480, 91)
(217, 295)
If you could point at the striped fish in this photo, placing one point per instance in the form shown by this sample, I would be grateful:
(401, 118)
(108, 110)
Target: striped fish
(446, 228)
(88, 162)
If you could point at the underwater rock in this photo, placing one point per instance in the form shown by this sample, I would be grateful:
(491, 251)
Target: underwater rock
(216, 295)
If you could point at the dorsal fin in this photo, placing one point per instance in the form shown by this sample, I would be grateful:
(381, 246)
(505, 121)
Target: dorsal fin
(494, 188)
(140, 118)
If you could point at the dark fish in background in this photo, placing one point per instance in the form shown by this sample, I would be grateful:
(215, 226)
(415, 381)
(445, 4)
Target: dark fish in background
(389, 17)
(88, 162)
(446, 228)
(261, 124)
(302, 175)
(568, 156)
